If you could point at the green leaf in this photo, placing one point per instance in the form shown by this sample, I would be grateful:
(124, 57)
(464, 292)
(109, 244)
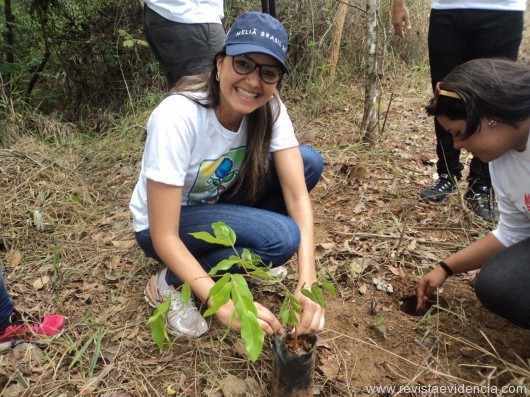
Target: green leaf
(220, 298)
(219, 284)
(328, 287)
(210, 239)
(293, 320)
(318, 294)
(251, 333)
(246, 255)
(256, 259)
(295, 305)
(158, 324)
(128, 43)
(242, 290)
(81, 351)
(284, 312)
(259, 272)
(225, 233)
(290, 308)
(185, 293)
(309, 294)
(95, 355)
(225, 264)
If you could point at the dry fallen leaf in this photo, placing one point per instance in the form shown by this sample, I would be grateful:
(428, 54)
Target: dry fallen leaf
(363, 288)
(398, 271)
(232, 386)
(412, 245)
(382, 285)
(322, 249)
(14, 390)
(41, 282)
(359, 265)
(330, 368)
(360, 207)
(37, 220)
(13, 257)
(124, 243)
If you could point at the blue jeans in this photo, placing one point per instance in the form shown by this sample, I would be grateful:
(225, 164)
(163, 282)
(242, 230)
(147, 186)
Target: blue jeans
(262, 227)
(6, 304)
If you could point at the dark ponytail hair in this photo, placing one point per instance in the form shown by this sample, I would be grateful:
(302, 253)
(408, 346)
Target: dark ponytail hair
(498, 89)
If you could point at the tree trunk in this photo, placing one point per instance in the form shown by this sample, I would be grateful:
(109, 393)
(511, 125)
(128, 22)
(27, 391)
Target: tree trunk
(9, 39)
(371, 91)
(42, 16)
(336, 38)
(8, 33)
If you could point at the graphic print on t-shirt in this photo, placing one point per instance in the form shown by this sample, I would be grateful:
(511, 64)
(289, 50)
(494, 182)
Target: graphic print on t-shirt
(216, 176)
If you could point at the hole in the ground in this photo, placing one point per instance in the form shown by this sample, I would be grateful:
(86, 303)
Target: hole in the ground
(408, 304)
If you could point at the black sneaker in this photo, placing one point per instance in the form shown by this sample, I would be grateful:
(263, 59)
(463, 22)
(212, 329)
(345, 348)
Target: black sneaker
(437, 193)
(478, 198)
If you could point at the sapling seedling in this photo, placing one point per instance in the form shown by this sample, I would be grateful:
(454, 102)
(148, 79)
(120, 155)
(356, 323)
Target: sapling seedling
(378, 324)
(233, 286)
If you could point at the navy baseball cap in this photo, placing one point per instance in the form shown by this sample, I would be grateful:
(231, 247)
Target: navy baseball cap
(257, 32)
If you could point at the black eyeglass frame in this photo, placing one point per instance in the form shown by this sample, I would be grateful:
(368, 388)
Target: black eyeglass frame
(257, 65)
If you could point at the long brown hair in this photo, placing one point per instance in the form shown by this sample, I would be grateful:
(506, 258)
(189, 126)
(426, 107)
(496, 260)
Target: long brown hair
(259, 125)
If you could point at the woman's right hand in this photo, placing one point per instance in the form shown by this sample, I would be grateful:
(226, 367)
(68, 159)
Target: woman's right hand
(266, 319)
(428, 284)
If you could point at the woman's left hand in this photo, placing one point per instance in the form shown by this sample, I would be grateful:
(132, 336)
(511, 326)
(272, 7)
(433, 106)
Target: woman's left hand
(313, 318)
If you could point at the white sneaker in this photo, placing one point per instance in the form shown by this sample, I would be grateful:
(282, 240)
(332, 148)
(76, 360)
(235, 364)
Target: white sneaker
(182, 319)
(278, 273)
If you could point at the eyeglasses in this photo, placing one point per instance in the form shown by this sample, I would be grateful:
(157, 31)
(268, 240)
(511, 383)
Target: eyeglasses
(244, 65)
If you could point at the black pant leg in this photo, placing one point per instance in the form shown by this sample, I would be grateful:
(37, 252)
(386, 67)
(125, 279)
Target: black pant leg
(448, 47)
(502, 284)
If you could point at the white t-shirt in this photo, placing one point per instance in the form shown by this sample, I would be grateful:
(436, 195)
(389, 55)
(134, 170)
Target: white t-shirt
(188, 11)
(499, 5)
(187, 146)
(510, 178)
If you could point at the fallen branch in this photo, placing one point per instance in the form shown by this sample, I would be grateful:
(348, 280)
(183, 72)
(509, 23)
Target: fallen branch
(363, 236)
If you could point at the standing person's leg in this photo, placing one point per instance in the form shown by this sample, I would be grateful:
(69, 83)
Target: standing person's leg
(494, 34)
(448, 47)
(502, 284)
(182, 49)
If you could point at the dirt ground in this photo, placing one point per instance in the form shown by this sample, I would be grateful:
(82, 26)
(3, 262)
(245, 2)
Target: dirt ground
(372, 230)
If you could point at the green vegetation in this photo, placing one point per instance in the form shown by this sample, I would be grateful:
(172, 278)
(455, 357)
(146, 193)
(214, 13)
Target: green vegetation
(84, 64)
(234, 286)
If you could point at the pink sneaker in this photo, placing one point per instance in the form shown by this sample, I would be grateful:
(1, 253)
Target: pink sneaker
(23, 329)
